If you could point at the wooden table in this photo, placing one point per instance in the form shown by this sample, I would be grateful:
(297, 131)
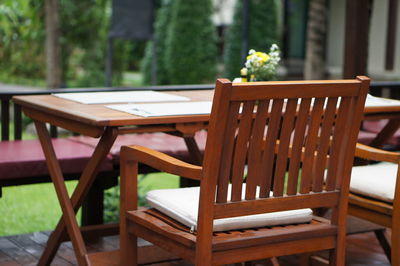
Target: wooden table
(98, 121)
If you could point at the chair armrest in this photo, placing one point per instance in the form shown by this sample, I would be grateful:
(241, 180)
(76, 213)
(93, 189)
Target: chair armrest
(371, 153)
(161, 161)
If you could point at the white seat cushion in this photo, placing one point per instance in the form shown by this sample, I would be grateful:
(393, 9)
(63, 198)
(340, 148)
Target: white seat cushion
(182, 205)
(376, 180)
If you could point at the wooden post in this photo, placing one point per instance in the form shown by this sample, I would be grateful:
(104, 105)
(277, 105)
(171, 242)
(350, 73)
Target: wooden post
(356, 39)
(314, 67)
(53, 53)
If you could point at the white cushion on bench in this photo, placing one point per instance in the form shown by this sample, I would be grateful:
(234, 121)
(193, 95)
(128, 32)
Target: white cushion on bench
(376, 180)
(182, 205)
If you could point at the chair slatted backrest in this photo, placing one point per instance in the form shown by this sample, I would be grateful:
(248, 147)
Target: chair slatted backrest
(291, 143)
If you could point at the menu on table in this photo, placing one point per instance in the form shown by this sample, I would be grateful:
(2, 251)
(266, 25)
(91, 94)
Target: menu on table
(165, 109)
(121, 97)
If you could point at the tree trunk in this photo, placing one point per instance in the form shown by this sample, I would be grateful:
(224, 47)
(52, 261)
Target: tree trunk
(314, 67)
(53, 55)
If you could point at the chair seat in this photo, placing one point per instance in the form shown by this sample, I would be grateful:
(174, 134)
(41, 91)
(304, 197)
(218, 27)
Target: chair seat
(25, 158)
(229, 239)
(182, 205)
(165, 143)
(377, 181)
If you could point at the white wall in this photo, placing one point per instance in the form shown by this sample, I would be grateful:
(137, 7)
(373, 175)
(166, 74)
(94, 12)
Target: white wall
(335, 38)
(377, 41)
(224, 13)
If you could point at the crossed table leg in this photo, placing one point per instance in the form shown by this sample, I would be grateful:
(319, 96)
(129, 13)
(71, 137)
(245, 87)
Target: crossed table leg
(69, 206)
(388, 131)
(67, 227)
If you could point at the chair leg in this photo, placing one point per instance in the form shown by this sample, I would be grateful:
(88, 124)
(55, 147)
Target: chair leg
(395, 256)
(304, 259)
(337, 256)
(383, 241)
(128, 249)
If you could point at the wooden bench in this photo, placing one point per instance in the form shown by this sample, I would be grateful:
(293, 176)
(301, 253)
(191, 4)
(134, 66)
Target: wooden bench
(22, 161)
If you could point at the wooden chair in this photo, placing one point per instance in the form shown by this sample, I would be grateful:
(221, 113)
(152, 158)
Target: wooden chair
(375, 195)
(299, 127)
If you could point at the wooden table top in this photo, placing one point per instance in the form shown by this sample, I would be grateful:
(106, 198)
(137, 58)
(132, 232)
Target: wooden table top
(100, 115)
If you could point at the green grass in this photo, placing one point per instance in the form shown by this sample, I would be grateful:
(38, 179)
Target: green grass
(30, 208)
(33, 208)
(132, 79)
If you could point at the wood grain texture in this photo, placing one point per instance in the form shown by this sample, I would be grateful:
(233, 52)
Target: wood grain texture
(99, 115)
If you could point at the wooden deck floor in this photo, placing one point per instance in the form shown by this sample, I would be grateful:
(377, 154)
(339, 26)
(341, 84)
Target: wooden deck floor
(362, 249)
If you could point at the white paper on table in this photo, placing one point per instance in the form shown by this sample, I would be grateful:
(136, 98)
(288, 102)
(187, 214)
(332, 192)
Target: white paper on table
(121, 97)
(164, 109)
(373, 101)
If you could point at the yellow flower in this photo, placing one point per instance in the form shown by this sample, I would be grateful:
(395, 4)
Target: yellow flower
(263, 57)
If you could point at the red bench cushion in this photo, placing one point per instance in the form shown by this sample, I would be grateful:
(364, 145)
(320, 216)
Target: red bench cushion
(365, 137)
(375, 126)
(25, 158)
(171, 145)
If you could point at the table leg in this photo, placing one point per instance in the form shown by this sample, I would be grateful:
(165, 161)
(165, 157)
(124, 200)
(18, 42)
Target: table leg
(388, 131)
(194, 150)
(197, 158)
(70, 206)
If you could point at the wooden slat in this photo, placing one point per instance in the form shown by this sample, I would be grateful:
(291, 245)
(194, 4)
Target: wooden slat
(311, 144)
(321, 199)
(240, 153)
(226, 157)
(338, 135)
(284, 141)
(297, 146)
(239, 239)
(371, 204)
(255, 147)
(269, 148)
(277, 249)
(300, 89)
(323, 148)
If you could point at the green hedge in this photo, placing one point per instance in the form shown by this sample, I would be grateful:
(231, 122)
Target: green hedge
(186, 51)
(160, 34)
